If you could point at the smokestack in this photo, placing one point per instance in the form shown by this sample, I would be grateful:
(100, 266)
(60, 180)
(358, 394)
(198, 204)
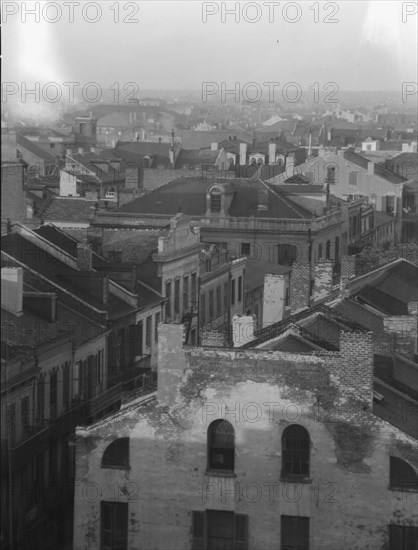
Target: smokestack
(243, 154)
(290, 165)
(272, 153)
(12, 290)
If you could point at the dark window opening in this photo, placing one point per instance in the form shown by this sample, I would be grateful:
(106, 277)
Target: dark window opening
(114, 526)
(215, 202)
(294, 533)
(219, 530)
(233, 292)
(286, 254)
(403, 538)
(116, 454)
(221, 446)
(245, 249)
(402, 475)
(295, 452)
(239, 289)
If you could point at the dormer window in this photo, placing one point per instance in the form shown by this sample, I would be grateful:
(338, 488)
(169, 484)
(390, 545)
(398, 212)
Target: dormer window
(215, 201)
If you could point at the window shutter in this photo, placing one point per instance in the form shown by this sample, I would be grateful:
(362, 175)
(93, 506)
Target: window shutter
(198, 530)
(395, 536)
(241, 532)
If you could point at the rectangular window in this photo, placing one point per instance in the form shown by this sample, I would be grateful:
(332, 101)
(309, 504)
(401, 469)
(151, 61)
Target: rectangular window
(239, 289)
(194, 288)
(245, 249)
(66, 385)
(287, 298)
(53, 387)
(352, 178)
(185, 292)
(157, 322)
(202, 309)
(319, 251)
(24, 411)
(402, 537)
(148, 331)
(233, 292)
(215, 202)
(219, 530)
(294, 533)
(11, 423)
(218, 301)
(100, 366)
(114, 526)
(168, 296)
(41, 399)
(226, 297)
(177, 296)
(210, 305)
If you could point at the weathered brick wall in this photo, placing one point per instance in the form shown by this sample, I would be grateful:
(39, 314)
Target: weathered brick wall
(323, 279)
(299, 286)
(260, 393)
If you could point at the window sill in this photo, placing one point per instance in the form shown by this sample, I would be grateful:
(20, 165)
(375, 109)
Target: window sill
(295, 479)
(109, 467)
(220, 473)
(407, 488)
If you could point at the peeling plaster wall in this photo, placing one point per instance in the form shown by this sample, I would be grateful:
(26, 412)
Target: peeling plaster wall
(347, 497)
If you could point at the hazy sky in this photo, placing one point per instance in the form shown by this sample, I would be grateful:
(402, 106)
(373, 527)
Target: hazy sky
(168, 46)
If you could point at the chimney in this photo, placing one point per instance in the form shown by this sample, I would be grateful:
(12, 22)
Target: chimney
(12, 290)
(272, 153)
(172, 138)
(80, 150)
(290, 165)
(213, 146)
(300, 286)
(356, 363)
(274, 298)
(84, 257)
(130, 118)
(329, 135)
(323, 279)
(310, 145)
(370, 168)
(171, 364)
(142, 135)
(243, 154)
(243, 329)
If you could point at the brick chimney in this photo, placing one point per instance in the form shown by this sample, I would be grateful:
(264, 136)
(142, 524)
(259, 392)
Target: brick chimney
(274, 298)
(356, 363)
(323, 279)
(12, 290)
(243, 329)
(171, 363)
(300, 286)
(84, 257)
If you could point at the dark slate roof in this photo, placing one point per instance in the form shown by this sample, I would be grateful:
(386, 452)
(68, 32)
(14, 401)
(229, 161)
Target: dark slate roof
(359, 314)
(189, 194)
(196, 157)
(66, 209)
(392, 409)
(192, 139)
(324, 328)
(293, 344)
(403, 158)
(382, 301)
(60, 273)
(33, 148)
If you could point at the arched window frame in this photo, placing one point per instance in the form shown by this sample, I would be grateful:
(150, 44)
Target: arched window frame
(111, 462)
(215, 207)
(296, 450)
(221, 454)
(407, 480)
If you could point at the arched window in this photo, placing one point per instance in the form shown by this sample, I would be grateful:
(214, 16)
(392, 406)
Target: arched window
(295, 451)
(402, 475)
(215, 201)
(116, 454)
(221, 446)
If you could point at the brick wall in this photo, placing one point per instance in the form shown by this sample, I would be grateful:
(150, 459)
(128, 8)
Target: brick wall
(299, 286)
(323, 279)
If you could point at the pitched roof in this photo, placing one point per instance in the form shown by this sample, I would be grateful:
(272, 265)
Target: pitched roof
(189, 195)
(66, 209)
(34, 149)
(192, 139)
(115, 119)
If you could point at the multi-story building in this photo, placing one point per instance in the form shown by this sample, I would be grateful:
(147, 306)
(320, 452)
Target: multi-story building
(278, 445)
(78, 340)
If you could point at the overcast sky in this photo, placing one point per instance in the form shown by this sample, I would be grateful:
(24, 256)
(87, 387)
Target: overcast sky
(168, 46)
